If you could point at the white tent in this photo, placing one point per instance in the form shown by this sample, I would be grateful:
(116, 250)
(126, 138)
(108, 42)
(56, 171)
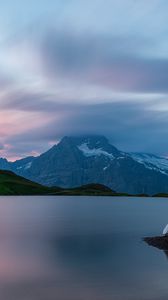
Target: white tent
(165, 230)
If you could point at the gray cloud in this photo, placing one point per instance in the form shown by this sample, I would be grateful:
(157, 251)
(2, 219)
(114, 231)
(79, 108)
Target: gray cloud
(1, 146)
(112, 56)
(116, 62)
(129, 126)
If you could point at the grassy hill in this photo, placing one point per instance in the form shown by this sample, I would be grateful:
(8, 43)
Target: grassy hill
(12, 184)
(89, 189)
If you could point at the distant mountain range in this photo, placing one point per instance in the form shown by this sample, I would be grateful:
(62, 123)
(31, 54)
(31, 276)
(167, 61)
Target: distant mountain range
(77, 161)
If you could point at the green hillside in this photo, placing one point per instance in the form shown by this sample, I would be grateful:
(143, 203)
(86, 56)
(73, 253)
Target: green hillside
(12, 184)
(89, 189)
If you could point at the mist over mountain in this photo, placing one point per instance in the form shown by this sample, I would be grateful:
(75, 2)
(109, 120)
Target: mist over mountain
(77, 161)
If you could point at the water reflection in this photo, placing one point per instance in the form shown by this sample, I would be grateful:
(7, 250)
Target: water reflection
(85, 248)
(60, 248)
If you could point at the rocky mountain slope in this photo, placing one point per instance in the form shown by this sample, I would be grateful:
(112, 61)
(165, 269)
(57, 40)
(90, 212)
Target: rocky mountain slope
(77, 161)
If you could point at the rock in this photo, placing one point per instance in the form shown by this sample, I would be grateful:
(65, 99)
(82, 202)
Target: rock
(160, 242)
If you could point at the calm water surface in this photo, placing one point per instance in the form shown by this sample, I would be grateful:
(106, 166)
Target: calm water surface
(81, 248)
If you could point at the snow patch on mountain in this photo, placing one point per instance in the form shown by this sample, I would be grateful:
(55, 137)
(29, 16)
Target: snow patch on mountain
(94, 151)
(25, 167)
(28, 165)
(152, 162)
(106, 167)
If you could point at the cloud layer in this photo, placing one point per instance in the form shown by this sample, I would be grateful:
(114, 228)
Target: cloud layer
(77, 68)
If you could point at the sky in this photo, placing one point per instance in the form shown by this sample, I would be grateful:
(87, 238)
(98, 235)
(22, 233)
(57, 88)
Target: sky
(75, 67)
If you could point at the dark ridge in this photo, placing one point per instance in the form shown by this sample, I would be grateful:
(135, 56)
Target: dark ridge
(161, 195)
(96, 186)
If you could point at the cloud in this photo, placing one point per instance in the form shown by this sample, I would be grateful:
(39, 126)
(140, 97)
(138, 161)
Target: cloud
(84, 68)
(115, 62)
(129, 126)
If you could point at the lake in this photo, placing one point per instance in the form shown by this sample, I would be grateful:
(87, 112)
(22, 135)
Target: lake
(81, 248)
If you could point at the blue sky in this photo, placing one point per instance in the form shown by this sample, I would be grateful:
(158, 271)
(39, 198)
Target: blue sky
(83, 67)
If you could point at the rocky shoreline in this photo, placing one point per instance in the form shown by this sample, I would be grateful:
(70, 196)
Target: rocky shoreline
(160, 242)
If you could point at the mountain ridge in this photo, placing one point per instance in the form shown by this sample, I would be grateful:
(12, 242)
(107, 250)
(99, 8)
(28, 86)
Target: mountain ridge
(81, 160)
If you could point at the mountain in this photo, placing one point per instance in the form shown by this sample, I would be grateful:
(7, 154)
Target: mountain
(22, 165)
(152, 162)
(4, 164)
(71, 163)
(77, 161)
